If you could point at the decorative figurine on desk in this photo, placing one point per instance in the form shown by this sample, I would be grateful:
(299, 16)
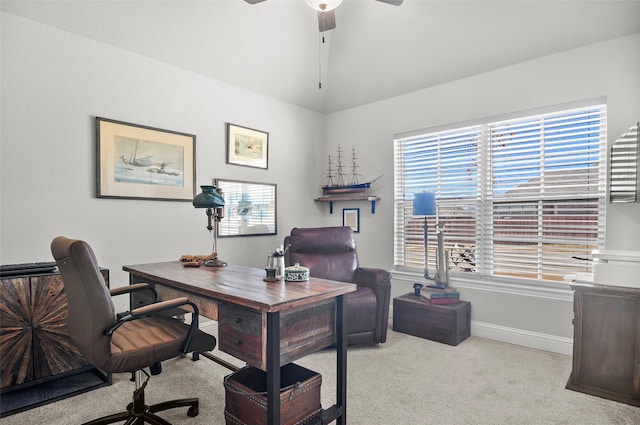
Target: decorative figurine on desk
(417, 287)
(271, 275)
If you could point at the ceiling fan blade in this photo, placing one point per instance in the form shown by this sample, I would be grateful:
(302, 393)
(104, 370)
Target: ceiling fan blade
(393, 2)
(254, 1)
(326, 20)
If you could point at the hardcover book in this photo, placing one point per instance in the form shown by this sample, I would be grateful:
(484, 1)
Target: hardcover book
(439, 294)
(443, 301)
(439, 288)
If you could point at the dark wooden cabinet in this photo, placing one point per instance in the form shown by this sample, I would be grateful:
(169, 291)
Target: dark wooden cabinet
(606, 342)
(35, 347)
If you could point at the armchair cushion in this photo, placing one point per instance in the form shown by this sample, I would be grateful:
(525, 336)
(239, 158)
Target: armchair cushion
(328, 255)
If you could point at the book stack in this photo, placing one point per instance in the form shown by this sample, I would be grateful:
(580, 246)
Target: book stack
(439, 295)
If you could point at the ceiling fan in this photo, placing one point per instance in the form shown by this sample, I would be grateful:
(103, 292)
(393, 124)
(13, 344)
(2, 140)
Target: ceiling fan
(325, 8)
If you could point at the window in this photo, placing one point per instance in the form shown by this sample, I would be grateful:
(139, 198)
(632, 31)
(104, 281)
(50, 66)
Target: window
(516, 198)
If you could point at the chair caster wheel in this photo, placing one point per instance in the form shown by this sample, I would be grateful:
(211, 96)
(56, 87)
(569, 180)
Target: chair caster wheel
(193, 411)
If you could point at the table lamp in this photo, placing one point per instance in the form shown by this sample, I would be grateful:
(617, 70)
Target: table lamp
(424, 203)
(212, 199)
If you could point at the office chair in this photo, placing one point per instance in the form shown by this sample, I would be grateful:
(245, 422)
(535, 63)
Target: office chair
(128, 342)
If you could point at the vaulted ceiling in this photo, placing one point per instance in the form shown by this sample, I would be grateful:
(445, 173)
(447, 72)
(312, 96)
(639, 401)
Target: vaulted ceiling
(376, 52)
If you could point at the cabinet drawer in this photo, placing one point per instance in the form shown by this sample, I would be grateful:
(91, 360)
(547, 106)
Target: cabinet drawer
(240, 333)
(240, 319)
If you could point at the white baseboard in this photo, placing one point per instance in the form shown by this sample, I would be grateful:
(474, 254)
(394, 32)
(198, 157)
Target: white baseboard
(529, 339)
(539, 341)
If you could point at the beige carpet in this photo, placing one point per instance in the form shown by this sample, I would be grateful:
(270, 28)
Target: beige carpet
(407, 380)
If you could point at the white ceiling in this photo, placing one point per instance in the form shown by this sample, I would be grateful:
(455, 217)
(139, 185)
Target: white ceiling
(377, 50)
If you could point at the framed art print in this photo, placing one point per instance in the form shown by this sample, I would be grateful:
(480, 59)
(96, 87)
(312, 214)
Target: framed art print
(351, 218)
(246, 146)
(140, 162)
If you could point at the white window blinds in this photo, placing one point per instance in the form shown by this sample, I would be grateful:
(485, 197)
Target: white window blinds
(517, 198)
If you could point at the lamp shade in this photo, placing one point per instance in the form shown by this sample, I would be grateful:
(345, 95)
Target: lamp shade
(424, 203)
(208, 198)
(323, 5)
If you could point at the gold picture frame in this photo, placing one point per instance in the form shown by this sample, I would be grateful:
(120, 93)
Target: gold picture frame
(247, 146)
(141, 162)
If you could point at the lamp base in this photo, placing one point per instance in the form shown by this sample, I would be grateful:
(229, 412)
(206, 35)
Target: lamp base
(215, 262)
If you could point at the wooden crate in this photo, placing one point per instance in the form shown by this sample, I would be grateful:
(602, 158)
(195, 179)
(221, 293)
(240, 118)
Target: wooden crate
(246, 397)
(449, 323)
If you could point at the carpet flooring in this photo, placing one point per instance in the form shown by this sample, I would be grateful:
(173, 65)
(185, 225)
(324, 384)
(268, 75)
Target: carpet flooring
(405, 381)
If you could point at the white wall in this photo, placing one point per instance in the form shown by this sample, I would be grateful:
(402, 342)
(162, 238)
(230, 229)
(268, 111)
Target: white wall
(55, 83)
(612, 69)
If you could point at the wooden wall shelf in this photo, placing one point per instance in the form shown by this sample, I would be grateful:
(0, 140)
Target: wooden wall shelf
(332, 199)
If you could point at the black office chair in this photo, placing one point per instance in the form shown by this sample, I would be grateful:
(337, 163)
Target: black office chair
(125, 343)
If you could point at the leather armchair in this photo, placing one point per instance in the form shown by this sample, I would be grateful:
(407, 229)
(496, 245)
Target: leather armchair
(330, 253)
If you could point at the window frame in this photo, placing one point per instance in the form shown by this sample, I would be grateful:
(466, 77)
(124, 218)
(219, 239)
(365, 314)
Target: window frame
(405, 187)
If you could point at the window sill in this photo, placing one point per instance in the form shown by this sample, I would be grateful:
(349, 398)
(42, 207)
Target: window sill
(556, 291)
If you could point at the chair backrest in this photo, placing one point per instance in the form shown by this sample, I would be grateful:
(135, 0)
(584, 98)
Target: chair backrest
(328, 252)
(91, 310)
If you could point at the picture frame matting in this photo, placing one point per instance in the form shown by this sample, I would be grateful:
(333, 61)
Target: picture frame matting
(351, 218)
(247, 146)
(141, 162)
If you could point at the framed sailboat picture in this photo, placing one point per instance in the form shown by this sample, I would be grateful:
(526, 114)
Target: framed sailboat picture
(140, 162)
(246, 146)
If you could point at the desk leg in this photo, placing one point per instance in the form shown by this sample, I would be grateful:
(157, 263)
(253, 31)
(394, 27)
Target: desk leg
(273, 368)
(341, 355)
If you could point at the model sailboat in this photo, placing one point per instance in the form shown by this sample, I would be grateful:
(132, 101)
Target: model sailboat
(337, 181)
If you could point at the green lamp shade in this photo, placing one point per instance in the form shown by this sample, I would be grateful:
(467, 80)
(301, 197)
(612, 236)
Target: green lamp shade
(208, 198)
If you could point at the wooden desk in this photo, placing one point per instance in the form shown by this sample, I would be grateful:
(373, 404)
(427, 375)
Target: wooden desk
(265, 324)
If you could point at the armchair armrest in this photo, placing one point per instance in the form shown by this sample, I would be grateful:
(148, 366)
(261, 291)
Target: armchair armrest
(134, 288)
(377, 279)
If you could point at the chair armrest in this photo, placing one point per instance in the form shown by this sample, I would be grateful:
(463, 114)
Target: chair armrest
(134, 288)
(147, 310)
(377, 279)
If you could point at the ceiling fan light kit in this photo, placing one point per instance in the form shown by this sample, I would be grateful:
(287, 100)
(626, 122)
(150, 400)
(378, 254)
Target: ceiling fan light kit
(323, 5)
(327, 17)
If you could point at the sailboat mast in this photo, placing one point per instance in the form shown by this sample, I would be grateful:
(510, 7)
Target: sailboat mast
(354, 166)
(340, 178)
(329, 174)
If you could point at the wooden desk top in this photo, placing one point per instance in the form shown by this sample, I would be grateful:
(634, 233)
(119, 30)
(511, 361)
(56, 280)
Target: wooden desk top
(240, 285)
